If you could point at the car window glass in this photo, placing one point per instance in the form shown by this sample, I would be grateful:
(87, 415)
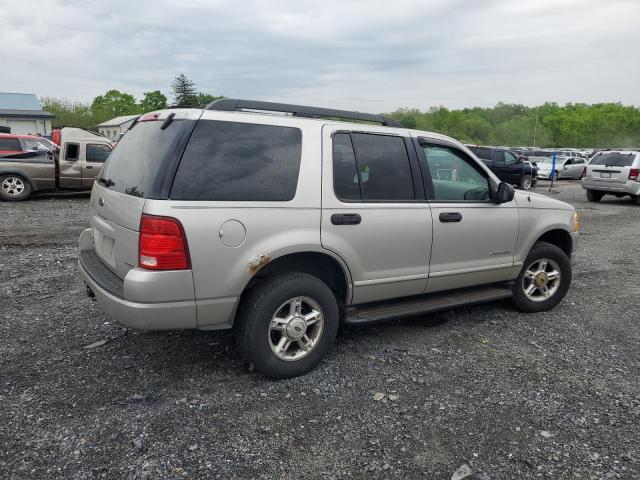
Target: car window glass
(568, 162)
(97, 152)
(237, 161)
(345, 173)
(383, 167)
(12, 144)
(72, 151)
(454, 175)
(509, 158)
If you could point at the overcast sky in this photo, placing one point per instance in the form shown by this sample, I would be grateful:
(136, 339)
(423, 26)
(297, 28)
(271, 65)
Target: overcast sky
(367, 55)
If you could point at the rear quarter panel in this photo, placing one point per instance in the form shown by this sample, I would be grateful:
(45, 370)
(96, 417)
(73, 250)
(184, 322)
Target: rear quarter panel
(40, 173)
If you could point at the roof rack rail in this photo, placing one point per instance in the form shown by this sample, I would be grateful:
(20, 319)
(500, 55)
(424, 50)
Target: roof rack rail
(232, 104)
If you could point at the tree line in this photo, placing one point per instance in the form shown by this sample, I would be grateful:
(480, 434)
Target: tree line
(602, 125)
(579, 125)
(114, 103)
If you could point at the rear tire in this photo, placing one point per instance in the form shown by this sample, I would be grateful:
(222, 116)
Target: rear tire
(554, 175)
(544, 280)
(286, 324)
(594, 196)
(637, 199)
(525, 182)
(14, 188)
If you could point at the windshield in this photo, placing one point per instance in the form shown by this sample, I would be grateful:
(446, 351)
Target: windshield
(614, 159)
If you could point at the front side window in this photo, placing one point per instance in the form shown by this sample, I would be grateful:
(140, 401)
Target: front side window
(510, 158)
(97, 152)
(454, 175)
(233, 161)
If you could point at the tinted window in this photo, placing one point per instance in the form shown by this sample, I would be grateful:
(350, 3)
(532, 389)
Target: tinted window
(72, 151)
(614, 159)
(454, 175)
(383, 167)
(97, 152)
(10, 144)
(345, 172)
(137, 163)
(482, 153)
(239, 161)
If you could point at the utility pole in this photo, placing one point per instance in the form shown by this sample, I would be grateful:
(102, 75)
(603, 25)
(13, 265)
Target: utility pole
(535, 128)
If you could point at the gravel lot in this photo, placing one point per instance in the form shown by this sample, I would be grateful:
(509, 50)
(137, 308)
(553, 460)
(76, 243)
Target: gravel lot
(511, 395)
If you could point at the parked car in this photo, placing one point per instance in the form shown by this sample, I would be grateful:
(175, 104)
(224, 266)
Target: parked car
(613, 173)
(507, 166)
(566, 167)
(29, 164)
(279, 225)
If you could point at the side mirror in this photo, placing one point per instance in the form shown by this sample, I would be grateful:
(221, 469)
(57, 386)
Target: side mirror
(504, 193)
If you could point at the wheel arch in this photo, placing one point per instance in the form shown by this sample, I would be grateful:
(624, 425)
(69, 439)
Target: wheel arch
(559, 237)
(327, 267)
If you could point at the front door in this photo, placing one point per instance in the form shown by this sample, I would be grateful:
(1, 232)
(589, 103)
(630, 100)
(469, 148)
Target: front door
(95, 155)
(474, 239)
(374, 212)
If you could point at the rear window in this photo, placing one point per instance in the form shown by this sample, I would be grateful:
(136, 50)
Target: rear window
(136, 166)
(235, 161)
(10, 144)
(614, 159)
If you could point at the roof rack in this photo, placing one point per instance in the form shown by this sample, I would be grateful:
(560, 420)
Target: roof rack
(232, 104)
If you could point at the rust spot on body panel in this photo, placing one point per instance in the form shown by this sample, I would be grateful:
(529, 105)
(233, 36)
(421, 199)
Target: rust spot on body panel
(257, 262)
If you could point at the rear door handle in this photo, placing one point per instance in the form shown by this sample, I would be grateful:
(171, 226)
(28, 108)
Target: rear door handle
(449, 217)
(346, 219)
(88, 167)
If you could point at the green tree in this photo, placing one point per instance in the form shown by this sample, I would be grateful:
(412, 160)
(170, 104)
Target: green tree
(184, 92)
(204, 99)
(69, 114)
(151, 101)
(113, 104)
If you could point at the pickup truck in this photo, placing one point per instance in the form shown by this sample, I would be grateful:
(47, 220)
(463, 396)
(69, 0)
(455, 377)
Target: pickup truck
(507, 166)
(29, 164)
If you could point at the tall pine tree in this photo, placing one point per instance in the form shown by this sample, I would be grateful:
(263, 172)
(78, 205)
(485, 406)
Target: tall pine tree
(184, 92)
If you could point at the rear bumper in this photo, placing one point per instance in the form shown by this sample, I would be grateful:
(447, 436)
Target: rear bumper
(629, 187)
(110, 293)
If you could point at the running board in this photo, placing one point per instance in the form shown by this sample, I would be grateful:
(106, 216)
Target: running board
(435, 302)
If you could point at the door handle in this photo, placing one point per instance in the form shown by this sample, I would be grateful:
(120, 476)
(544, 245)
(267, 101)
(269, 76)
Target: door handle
(449, 217)
(88, 167)
(346, 219)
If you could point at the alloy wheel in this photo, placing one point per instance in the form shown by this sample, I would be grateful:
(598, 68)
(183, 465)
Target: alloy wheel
(13, 186)
(541, 280)
(296, 328)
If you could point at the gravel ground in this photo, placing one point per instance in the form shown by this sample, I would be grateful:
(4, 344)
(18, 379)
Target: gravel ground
(509, 395)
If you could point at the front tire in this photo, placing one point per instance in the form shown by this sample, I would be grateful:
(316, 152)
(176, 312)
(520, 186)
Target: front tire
(286, 324)
(525, 182)
(14, 188)
(554, 175)
(594, 196)
(544, 280)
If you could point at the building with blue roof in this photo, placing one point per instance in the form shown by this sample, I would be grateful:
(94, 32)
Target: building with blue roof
(23, 114)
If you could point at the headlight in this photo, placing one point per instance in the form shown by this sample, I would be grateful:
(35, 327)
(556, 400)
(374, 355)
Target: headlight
(575, 220)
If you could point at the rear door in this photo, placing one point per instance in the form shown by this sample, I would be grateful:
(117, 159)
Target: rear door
(374, 212)
(70, 165)
(94, 157)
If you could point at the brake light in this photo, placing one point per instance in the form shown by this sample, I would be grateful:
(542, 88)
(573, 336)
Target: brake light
(151, 117)
(584, 172)
(163, 244)
(634, 173)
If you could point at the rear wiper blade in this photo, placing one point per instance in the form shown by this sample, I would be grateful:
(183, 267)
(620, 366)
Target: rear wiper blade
(107, 182)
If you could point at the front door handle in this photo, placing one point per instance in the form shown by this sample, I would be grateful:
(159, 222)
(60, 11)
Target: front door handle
(88, 167)
(449, 217)
(346, 219)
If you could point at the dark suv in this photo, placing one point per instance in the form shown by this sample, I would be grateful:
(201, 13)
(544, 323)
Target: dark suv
(509, 167)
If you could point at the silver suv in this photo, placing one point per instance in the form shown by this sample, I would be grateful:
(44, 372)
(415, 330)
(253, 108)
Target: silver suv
(613, 173)
(280, 221)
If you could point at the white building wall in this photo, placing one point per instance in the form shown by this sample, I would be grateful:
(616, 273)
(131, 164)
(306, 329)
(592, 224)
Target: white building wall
(27, 126)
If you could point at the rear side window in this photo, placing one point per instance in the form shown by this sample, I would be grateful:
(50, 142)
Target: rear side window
(235, 161)
(613, 159)
(345, 173)
(483, 153)
(12, 144)
(72, 151)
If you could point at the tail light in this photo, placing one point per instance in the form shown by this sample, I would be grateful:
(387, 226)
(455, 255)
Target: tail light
(163, 244)
(584, 172)
(634, 173)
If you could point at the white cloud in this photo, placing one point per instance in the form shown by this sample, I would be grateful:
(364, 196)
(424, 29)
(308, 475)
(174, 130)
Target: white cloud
(370, 55)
